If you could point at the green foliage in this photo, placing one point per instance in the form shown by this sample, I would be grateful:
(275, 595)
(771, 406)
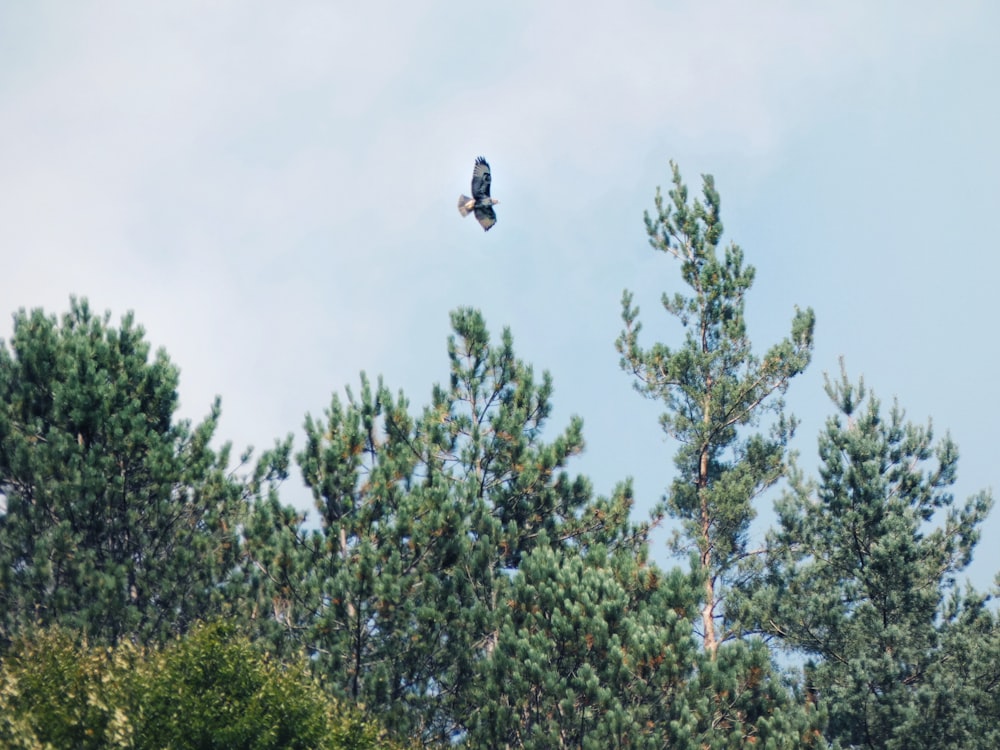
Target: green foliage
(739, 701)
(422, 521)
(214, 689)
(598, 652)
(460, 587)
(713, 386)
(56, 692)
(859, 576)
(958, 700)
(211, 688)
(594, 651)
(117, 521)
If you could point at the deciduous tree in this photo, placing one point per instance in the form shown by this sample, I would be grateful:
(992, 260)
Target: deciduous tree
(209, 688)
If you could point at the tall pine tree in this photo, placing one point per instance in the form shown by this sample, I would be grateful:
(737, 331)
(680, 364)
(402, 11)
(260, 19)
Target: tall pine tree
(863, 583)
(467, 590)
(116, 519)
(422, 522)
(714, 390)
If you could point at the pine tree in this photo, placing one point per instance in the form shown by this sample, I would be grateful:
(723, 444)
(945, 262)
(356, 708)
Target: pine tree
(714, 389)
(116, 519)
(598, 651)
(594, 651)
(422, 521)
(860, 579)
(958, 701)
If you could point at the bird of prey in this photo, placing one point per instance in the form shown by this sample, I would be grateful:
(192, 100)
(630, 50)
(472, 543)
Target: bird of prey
(480, 203)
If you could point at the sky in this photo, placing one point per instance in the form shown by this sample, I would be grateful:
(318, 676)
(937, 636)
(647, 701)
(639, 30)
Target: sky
(272, 188)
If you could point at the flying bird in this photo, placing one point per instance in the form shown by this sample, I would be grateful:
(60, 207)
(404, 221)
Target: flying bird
(480, 203)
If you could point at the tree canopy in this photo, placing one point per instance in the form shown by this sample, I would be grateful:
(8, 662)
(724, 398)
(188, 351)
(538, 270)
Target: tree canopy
(863, 582)
(456, 584)
(714, 388)
(119, 520)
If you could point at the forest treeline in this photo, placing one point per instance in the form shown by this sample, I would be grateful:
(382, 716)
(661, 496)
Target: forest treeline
(457, 583)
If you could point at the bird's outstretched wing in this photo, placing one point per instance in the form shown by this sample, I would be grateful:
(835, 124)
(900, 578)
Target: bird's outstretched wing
(486, 216)
(481, 180)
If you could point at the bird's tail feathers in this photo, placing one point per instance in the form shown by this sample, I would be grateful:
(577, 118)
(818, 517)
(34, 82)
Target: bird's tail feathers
(465, 205)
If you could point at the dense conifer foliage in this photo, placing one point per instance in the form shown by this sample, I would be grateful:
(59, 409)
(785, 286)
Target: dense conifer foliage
(402, 591)
(456, 584)
(863, 582)
(118, 520)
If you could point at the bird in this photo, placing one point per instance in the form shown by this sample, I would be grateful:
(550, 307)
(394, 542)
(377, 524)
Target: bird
(480, 203)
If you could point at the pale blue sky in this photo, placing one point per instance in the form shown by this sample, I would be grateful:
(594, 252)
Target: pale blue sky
(271, 188)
